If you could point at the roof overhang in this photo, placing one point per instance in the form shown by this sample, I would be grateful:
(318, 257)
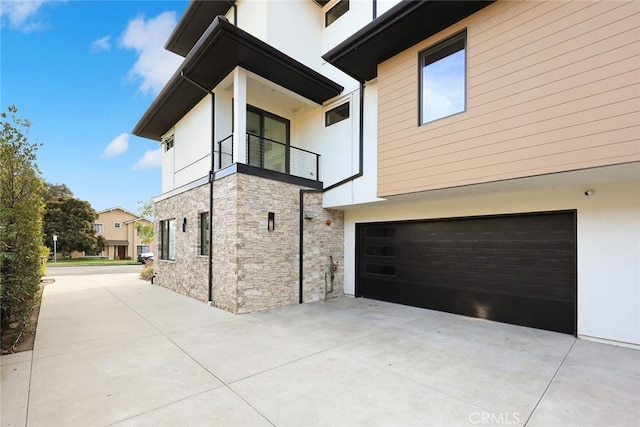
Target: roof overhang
(194, 21)
(118, 242)
(402, 26)
(222, 48)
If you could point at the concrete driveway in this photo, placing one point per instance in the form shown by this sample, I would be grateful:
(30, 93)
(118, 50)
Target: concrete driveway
(112, 350)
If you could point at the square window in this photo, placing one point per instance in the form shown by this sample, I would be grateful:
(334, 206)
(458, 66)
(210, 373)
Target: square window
(168, 143)
(443, 79)
(336, 12)
(116, 225)
(335, 115)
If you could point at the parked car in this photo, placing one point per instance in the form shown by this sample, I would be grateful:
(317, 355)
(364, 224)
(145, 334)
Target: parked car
(145, 256)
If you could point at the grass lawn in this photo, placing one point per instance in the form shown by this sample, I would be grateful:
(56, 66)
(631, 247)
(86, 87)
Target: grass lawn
(68, 262)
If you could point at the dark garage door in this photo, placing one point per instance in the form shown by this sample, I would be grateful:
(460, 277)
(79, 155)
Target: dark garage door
(518, 269)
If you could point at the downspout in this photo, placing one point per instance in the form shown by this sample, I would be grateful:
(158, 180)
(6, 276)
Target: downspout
(235, 11)
(301, 252)
(211, 179)
(331, 187)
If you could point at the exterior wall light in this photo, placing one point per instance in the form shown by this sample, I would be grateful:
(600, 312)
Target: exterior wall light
(271, 221)
(184, 224)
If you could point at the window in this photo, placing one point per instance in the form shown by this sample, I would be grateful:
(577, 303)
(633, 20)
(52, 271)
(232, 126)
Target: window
(168, 239)
(97, 228)
(267, 140)
(335, 115)
(381, 232)
(336, 12)
(142, 249)
(386, 270)
(116, 225)
(204, 233)
(168, 143)
(388, 251)
(443, 79)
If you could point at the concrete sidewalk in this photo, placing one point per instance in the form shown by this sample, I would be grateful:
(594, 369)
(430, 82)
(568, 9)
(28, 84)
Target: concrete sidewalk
(115, 350)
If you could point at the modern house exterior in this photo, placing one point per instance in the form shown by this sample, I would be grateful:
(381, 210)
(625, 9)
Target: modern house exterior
(118, 227)
(474, 157)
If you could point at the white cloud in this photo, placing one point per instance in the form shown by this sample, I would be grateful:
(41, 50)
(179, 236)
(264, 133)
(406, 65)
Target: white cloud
(154, 65)
(151, 159)
(117, 146)
(101, 44)
(22, 15)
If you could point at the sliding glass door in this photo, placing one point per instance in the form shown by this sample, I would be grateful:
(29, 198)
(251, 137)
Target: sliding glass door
(267, 140)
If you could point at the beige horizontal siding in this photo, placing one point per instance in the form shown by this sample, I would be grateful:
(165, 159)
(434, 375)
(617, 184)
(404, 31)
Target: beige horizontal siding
(551, 87)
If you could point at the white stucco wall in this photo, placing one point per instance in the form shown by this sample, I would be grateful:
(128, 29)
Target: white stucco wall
(251, 17)
(294, 28)
(608, 235)
(193, 144)
(363, 189)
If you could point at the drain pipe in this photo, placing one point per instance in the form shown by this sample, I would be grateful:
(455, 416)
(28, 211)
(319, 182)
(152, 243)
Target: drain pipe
(331, 187)
(301, 251)
(211, 179)
(235, 11)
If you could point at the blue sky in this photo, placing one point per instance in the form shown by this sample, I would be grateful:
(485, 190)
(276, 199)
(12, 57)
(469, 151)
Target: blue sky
(84, 72)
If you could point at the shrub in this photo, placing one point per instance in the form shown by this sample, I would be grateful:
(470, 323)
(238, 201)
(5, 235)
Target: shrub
(147, 272)
(21, 210)
(44, 257)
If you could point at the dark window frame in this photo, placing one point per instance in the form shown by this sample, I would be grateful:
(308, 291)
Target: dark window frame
(204, 224)
(336, 114)
(169, 143)
(338, 10)
(166, 241)
(264, 114)
(433, 53)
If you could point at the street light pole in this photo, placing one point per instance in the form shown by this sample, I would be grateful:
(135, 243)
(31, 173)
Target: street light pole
(55, 251)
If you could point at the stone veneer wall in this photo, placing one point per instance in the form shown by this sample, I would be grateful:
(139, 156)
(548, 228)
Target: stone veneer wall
(225, 243)
(268, 261)
(323, 238)
(186, 275)
(253, 268)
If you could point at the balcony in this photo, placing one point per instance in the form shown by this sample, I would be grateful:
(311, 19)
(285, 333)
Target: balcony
(268, 154)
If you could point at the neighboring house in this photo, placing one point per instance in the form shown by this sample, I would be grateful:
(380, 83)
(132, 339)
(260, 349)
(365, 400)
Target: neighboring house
(478, 157)
(118, 227)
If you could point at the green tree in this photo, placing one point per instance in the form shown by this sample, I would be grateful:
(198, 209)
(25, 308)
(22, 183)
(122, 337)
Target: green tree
(145, 230)
(21, 210)
(54, 191)
(72, 221)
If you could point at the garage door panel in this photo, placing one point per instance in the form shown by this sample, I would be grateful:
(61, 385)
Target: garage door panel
(508, 279)
(517, 268)
(539, 313)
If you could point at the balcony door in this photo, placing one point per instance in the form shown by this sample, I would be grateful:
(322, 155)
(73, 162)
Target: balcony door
(267, 140)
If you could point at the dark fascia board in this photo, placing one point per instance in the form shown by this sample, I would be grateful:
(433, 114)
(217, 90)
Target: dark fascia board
(194, 22)
(402, 26)
(220, 49)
